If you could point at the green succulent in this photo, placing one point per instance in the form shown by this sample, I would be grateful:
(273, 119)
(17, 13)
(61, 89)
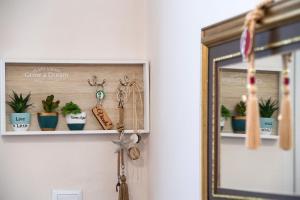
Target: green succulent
(268, 107)
(49, 105)
(70, 108)
(240, 108)
(18, 103)
(225, 112)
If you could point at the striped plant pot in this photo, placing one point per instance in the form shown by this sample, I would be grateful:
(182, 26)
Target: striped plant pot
(238, 124)
(48, 121)
(20, 121)
(76, 122)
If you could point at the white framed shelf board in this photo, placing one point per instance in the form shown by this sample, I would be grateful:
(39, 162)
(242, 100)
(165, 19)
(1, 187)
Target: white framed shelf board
(67, 81)
(240, 135)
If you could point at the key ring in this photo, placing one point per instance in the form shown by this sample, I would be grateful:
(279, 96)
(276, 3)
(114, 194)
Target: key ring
(100, 94)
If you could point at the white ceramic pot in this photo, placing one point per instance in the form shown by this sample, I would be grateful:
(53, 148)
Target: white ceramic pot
(222, 123)
(76, 121)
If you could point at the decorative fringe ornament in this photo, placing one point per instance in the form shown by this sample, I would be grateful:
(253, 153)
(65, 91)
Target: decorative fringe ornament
(123, 187)
(252, 118)
(285, 120)
(247, 50)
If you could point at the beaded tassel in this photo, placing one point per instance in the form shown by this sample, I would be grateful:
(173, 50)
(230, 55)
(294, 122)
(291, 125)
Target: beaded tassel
(252, 118)
(285, 123)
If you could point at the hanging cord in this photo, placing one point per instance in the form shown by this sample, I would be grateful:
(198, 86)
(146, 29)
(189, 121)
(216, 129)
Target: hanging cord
(285, 116)
(247, 49)
(135, 89)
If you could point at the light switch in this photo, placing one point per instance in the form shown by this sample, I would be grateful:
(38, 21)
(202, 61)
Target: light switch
(66, 195)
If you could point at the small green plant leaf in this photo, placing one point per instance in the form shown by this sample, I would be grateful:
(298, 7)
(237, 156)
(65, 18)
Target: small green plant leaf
(19, 104)
(240, 108)
(49, 105)
(268, 107)
(225, 112)
(70, 108)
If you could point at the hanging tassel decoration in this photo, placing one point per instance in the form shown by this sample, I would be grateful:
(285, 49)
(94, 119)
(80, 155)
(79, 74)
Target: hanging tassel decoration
(247, 51)
(285, 120)
(252, 118)
(123, 188)
(123, 194)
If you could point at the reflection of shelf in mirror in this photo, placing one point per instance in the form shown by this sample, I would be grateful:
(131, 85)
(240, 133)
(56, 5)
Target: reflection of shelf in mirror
(240, 135)
(84, 132)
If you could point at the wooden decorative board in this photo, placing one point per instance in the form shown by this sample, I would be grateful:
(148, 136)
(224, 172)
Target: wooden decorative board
(68, 81)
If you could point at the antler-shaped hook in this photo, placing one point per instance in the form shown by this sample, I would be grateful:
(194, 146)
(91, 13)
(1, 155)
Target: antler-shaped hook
(94, 82)
(125, 82)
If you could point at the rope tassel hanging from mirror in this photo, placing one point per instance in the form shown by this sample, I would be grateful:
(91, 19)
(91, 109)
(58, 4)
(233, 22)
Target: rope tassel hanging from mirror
(247, 50)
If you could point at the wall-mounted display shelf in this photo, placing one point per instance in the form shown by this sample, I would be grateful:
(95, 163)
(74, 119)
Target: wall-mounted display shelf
(239, 135)
(67, 80)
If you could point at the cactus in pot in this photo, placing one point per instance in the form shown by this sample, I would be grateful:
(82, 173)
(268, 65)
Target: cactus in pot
(48, 120)
(75, 118)
(239, 119)
(20, 119)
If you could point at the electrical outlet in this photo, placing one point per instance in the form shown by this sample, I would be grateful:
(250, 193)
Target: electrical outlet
(66, 195)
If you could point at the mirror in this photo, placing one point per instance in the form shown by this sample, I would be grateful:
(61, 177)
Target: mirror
(268, 169)
(229, 169)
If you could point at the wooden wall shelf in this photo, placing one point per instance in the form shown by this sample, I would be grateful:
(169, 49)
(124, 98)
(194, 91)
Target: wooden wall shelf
(84, 132)
(67, 81)
(239, 135)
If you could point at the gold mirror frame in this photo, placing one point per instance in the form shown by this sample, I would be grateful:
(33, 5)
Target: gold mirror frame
(279, 14)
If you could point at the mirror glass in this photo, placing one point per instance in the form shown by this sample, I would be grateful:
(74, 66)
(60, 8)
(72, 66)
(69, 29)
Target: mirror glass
(268, 169)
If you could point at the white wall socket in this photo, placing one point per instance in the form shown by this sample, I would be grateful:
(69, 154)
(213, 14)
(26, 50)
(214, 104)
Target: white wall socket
(66, 195)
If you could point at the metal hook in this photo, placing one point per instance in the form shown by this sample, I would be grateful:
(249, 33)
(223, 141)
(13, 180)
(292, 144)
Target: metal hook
(125, 82)
(94, 82)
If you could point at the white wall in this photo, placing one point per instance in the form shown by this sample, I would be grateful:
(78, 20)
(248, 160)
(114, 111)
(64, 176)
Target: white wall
(71, 29)
(174, 52)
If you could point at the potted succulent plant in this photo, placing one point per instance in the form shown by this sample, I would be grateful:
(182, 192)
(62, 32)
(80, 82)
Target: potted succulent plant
(74, 117)
(20, 119)
(225, 114)
(267, 109)
(48, 120)
(239, 120)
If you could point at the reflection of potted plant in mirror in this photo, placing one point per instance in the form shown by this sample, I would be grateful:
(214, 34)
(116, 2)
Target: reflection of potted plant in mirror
(74, 117)
(48, 120)
(225, 114)
(239, 120)
(20, 119)
(267, 109)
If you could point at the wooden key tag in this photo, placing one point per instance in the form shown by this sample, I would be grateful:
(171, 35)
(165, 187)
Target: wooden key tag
(102, 116)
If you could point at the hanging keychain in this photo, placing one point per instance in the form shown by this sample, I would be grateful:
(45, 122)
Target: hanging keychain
(122, 143)
(247, 50)
(98, 111)
(125, 89)
(285, 120)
